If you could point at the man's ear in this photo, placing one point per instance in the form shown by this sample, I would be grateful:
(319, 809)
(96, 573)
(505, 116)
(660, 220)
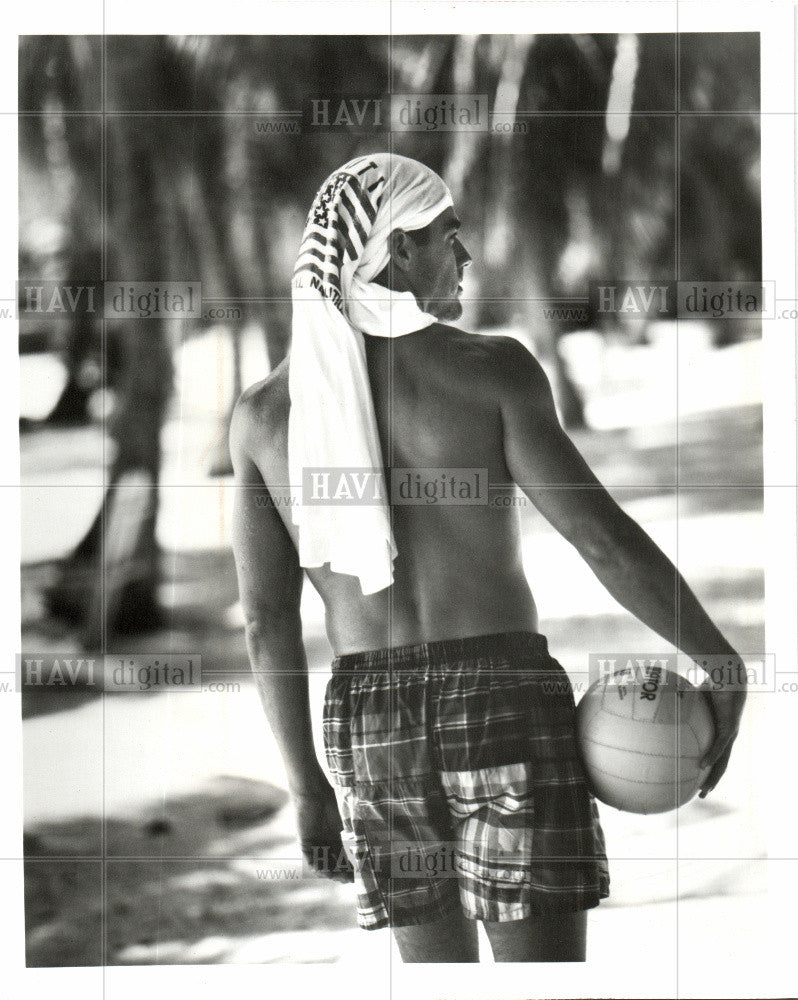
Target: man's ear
(399, 247)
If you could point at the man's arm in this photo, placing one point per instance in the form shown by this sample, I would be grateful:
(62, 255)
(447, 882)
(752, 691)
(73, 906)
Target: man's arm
(270, 588)
(545, 464)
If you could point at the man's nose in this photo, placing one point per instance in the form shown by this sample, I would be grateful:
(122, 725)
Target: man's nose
(463, 256)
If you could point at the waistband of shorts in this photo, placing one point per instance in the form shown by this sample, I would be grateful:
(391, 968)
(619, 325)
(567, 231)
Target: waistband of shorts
(443, 652)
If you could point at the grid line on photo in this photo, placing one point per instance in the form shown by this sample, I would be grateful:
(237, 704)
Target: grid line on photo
(102, 519)
(677, 275)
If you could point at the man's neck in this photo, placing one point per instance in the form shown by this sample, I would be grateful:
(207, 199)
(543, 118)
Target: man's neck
(392, 279)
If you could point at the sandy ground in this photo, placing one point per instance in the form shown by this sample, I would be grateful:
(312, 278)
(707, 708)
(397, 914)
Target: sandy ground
(157, 826)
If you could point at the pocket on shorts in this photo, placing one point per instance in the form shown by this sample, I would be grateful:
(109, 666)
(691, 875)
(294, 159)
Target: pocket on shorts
(493, 816)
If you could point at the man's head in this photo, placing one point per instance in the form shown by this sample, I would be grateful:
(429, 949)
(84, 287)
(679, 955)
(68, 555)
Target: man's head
(385, 219)
(429, 262)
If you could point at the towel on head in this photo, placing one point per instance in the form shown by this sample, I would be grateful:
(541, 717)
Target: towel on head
(332, 426)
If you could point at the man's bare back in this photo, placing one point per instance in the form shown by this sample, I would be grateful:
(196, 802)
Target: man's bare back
(458, 572)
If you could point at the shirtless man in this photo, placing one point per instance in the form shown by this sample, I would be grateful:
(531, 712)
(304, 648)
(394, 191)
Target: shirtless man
(459, 606)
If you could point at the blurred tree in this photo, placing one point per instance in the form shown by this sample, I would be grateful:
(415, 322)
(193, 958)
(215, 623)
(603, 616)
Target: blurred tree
(58, 82)
(513, 183)
(578, 180)
(130, 236)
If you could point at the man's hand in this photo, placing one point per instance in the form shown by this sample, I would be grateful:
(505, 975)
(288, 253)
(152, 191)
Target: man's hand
(319, 824)
(727, 705)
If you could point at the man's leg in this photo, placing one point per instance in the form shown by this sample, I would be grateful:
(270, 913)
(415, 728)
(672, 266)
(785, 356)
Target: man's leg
(451, 939)
(560, 937)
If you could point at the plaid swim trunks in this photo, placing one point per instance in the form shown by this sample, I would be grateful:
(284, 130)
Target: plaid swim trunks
(459, 782)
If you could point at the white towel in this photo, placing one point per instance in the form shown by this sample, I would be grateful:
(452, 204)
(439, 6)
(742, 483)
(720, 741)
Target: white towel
(335, 301)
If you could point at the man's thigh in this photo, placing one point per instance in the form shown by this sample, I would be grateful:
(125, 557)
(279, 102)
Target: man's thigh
(560, 937)
(453, 938)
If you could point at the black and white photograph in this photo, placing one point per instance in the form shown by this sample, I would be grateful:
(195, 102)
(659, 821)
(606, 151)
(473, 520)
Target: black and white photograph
(401, 500)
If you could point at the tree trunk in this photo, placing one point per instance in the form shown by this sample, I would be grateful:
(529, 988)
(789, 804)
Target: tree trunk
(119, 555)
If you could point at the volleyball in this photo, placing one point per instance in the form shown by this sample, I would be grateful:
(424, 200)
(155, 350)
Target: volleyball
(642, 732)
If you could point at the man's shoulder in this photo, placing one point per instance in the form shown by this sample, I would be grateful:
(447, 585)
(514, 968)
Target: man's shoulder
(262, 408)
(499, 363)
